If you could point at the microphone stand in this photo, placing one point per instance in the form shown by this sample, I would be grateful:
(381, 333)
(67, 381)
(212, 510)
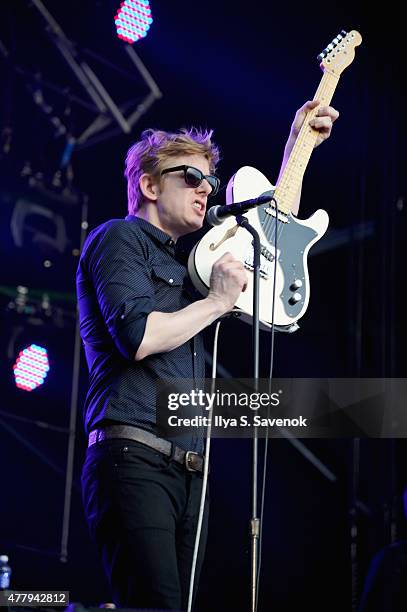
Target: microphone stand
(255, 521)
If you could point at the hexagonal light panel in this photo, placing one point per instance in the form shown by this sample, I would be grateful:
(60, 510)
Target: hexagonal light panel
(133, 20)
(31, 367)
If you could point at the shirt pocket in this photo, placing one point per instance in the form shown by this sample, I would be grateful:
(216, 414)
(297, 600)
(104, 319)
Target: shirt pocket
(169, 297)
(168, 282)
(168, 274)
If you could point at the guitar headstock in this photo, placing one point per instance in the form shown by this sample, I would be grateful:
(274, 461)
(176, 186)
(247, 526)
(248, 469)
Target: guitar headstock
(340, 53)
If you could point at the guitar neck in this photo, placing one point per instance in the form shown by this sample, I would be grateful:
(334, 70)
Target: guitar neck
(286, 192)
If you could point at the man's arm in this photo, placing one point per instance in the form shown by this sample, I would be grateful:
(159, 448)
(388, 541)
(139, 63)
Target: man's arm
(322, 122)
(116, 264)
(166, 331)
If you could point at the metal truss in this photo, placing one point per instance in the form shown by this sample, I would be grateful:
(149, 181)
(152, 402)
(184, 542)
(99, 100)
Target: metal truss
(109, 118)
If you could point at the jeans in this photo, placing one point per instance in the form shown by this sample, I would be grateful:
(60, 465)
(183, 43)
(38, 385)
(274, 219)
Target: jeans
(142, 509)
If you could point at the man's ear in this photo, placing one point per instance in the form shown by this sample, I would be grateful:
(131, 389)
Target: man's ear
(149, 187)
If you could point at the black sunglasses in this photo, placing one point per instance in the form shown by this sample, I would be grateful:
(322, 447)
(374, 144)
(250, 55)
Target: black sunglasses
(194, 177)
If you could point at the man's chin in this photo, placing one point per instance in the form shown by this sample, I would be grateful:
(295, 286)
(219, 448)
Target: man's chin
(195, 225)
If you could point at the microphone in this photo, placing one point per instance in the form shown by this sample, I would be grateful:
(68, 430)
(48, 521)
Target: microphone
(217, 214)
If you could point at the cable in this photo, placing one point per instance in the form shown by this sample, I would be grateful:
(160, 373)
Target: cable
(205, 472)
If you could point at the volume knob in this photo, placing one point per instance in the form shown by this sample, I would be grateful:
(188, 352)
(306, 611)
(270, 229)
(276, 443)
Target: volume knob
(295, 298)
(296, 284)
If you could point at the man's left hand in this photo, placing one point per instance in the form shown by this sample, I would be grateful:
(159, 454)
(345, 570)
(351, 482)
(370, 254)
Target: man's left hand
(322, 122)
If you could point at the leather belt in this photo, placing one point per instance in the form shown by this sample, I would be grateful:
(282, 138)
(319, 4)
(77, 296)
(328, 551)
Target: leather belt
(193, 462)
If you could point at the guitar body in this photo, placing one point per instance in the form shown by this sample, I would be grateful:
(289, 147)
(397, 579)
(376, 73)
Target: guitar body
(289, 263)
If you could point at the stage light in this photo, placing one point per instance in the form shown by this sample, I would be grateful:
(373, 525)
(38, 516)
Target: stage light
(133, 20)
(31, 367)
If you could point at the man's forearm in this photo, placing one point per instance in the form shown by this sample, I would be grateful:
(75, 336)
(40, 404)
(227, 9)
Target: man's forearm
(287, 152)
(166, 331)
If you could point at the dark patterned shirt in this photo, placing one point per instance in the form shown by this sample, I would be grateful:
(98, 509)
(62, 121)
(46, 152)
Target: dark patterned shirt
(127, 270)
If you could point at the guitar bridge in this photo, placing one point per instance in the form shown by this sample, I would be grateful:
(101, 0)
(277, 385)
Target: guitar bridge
(266, 260)
(249, 266)
(266, 253)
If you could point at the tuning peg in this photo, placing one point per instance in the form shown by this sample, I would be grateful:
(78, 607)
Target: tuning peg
(332, 45)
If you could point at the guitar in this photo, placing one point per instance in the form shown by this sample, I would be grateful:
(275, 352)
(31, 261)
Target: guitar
(294, 236)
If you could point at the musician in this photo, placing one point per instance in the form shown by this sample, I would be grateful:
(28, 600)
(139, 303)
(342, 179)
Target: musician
(141, 492)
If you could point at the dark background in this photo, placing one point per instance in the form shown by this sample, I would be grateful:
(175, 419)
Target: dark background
(243, 70)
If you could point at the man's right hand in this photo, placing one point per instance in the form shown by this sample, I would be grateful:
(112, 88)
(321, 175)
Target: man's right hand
(228, 280)
(166, 331)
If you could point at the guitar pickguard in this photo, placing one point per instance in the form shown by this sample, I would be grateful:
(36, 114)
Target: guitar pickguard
(293, 241)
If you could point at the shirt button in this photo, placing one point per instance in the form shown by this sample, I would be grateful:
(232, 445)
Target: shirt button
(171, 280)
(194, 353)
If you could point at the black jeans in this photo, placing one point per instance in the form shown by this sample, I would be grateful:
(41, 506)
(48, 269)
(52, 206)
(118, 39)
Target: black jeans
(142, 510)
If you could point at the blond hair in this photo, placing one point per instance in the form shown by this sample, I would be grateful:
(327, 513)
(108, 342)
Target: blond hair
(155, 148)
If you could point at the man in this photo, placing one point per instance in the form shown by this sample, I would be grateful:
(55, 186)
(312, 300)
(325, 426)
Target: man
(138, 323)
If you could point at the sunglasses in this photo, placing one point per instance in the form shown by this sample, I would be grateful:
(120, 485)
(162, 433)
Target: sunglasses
(194, 177)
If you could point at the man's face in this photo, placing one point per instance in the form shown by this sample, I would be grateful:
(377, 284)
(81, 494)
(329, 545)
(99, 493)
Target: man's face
(180, 208)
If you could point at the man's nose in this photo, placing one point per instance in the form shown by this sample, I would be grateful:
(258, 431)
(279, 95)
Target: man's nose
(204, 187)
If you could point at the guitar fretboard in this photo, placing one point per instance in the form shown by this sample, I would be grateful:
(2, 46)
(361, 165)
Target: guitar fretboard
(287, 189)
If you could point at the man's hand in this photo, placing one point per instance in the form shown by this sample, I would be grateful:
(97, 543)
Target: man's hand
(228, 280)
(322, 122)
(166, 331)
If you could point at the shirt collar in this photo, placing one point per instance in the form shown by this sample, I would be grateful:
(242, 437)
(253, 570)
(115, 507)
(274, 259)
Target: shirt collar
(152, 230)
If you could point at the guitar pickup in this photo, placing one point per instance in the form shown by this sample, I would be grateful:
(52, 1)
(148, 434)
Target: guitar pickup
(281, 216)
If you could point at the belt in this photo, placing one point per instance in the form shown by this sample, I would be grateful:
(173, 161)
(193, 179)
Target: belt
(193, 462)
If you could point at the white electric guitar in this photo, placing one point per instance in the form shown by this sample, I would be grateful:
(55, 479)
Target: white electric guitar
(294, 236)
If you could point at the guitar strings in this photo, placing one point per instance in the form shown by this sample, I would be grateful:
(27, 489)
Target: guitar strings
(291, 174)
(306, 137)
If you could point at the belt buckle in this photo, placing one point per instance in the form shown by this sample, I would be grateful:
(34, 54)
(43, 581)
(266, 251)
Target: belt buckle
(188, 456)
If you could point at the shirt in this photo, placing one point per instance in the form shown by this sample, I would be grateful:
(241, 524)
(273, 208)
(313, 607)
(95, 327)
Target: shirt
(128, 269)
